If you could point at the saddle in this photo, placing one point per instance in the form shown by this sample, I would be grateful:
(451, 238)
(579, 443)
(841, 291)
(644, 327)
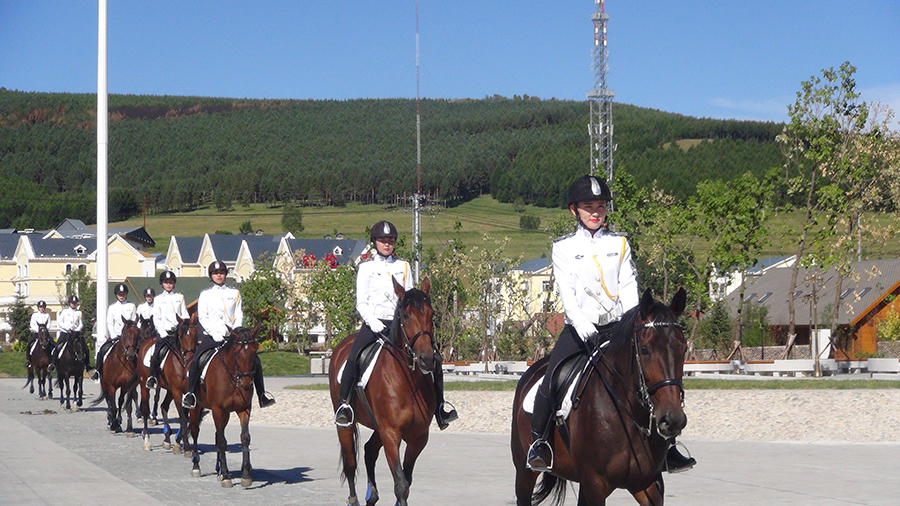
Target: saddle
(368, 356)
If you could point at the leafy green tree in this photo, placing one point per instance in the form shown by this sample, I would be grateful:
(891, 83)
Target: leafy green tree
(292, 220)
(264, 294)
(20, 319)
(715, 329)
(330, 294)
(529, 222)
(246, 228)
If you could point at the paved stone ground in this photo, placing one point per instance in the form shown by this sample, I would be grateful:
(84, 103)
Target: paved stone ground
(52, 458)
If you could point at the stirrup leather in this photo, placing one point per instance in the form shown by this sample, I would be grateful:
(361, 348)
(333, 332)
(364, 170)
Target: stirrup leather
(345, 406)
(532, 450)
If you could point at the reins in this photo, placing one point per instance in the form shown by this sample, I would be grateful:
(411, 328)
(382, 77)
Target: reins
(237, 375)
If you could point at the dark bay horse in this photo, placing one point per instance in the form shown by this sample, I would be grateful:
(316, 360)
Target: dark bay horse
(400, 395)
(118, 369)
(228, 388)
(631, 406)
(40, 362)
(148, 334)
(172, 378)
(70, 366)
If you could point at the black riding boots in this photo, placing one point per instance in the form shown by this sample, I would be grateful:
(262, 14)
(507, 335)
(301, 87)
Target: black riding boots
(155, 360)
(676, 462)
(442, 416)
(540, 453)
(265, 398)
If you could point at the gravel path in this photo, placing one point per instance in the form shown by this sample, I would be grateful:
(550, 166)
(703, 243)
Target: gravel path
(749, 415)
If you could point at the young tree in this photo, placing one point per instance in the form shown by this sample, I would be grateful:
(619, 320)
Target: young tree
(264, 295)
(246, 228)
(331, 299)
(292, 220)
(20, 318)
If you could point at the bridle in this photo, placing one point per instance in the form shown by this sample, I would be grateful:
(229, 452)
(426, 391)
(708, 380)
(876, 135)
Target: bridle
(237, 375)
(180, 334)
(410, 343)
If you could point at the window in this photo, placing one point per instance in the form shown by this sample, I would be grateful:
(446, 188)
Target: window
(68, 269)
(846, 292)
(798, 293)
(82, 268)
(865, 291)
(764, 297)
(546, 286)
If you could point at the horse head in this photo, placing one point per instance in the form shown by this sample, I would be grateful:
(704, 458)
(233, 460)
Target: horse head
(244, 344)
(659, 349)
(130, 338)
(414, 325)
(148, 328)
(43, 335)
(186, 334)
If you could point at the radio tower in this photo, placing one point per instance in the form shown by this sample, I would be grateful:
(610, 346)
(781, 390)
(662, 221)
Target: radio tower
(601, 97)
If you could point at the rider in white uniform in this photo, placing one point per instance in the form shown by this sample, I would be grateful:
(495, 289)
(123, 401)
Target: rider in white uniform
(69, 321)
(170, 307)
(39, 317)
(219, 308)
(118, 310)
(148, 309)
(597, 282)
(376, 303)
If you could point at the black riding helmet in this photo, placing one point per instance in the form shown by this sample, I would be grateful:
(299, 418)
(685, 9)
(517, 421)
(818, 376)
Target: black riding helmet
(73, 298)
(149, 292)
(588, 188)
(121, 288)
(216, 266)
(41, 304)
(167, 276)
(383, 229)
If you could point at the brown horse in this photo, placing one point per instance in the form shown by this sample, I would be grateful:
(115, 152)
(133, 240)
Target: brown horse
(630, 408)
(227, 388)
(118, 369)
(70, 366)
(400, 396)
(40, 362)
(173, 378)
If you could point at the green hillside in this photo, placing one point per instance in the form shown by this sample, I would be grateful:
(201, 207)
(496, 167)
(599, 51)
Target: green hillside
(181, 153)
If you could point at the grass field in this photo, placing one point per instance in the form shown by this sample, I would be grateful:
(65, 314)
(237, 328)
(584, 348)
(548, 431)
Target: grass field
(481, 216)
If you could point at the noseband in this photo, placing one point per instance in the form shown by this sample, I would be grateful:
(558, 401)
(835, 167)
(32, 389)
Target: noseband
(237, 375)
(645, 391)
(410, 343)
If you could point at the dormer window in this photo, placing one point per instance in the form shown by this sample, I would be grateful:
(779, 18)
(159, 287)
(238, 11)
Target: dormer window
(337, 251)
(80, 250)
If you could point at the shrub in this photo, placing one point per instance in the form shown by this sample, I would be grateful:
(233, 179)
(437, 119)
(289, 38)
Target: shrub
(888, 329)
(529, 222)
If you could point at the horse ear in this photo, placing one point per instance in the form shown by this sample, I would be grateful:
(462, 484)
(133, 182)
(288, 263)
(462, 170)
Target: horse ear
(679, 301)
(426, 285)
(398, 288)
(646, 303)
(126, 321)
(255, 331)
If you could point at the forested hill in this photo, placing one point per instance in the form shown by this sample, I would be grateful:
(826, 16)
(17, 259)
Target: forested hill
(183, 152)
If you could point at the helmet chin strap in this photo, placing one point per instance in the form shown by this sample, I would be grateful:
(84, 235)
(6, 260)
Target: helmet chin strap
(593, 232)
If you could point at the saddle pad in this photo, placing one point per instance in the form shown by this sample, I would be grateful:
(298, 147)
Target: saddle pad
(149, 354)
(364, 377)
(62, 349)
(566, 405)
(33, 346)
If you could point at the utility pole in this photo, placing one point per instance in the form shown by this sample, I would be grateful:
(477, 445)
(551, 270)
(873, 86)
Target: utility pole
(417, 198)
(601, 98)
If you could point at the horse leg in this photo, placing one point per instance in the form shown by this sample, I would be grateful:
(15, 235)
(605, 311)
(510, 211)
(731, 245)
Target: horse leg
(652, 495)
(143, 414)
(373, 448)
(246, 468)
(129, 429)
(42, 392)
(78, 391)
(413, 449)
(349, 438)
(194, 434)
(49, 385)
(594, 491)
(153, 413)
(392, 454)
(167, 429)
(221, 418)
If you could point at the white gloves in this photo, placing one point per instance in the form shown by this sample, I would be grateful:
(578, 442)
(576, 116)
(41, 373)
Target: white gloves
(585, 330)
(376, 326)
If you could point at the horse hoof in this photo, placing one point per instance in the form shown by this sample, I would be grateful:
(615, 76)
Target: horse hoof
(195, 473)
(227, 483)
(352, 501)
(147, 446)
(187, 455)
(154, 422)
(167, 446)
(246, 482)
(129, 434)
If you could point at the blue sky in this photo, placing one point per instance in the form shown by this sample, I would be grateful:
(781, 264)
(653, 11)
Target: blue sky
(719, 59)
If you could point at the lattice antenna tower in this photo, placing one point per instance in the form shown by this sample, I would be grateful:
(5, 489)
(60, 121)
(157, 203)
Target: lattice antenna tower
(601, 98)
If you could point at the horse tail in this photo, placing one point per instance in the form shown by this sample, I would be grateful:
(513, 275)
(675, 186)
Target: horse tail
(30, 378)
(100, 398)
(354, 447)
(550, 486)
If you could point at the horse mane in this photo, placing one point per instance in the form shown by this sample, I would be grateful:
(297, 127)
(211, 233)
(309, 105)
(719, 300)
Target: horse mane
(413, 297)
(623, 331)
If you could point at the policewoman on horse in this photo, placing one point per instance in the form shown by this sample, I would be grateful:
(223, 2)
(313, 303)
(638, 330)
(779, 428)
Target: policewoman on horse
(597, 282)
(219, 309)
(376, 303)
(148, 310)
(38, 318)
(69, 322)
(170, 307)
(118, 310)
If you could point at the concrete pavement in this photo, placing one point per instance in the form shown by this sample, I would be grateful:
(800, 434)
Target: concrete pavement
(52, 458)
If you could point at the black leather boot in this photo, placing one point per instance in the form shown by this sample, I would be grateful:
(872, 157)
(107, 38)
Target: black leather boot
(676, 462)
(265, 399)
(540, 453)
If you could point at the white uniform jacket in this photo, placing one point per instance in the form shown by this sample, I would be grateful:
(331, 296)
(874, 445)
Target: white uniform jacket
(69, 320)
(375, 297)
(595, 276)
(147, 311)
(218, 308)
(37, 318)
(114, 324)
(169, 304)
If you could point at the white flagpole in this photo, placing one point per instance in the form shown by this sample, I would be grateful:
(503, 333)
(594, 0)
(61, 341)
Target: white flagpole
(102, 148)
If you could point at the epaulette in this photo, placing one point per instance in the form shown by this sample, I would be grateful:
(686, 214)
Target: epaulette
(615, 234)
(368, 257)
(560, 238)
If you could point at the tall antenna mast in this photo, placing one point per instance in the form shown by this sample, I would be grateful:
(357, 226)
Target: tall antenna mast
(601, 97)
(417, 198)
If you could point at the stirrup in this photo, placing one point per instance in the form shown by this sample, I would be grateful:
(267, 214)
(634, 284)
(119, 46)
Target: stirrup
(96, 375)
(680, 463)
(341, 418)
(189, 401)
(266, 400)
(532, 455)
(151, 382)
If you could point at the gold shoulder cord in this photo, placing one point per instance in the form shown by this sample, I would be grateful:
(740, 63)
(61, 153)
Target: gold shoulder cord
(612, 297)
